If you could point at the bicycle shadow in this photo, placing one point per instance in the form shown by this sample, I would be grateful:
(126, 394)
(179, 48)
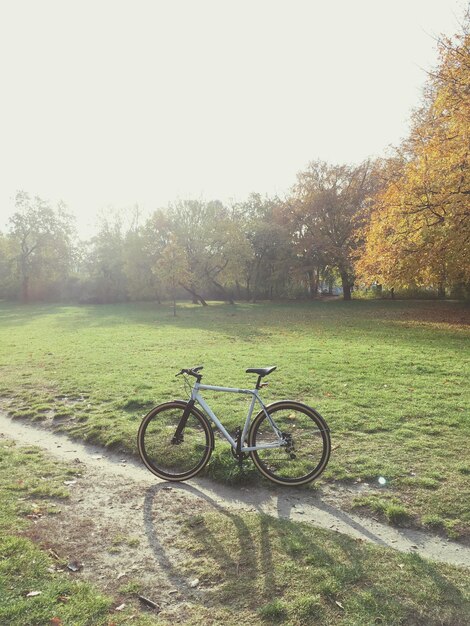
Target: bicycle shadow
(245, 560)
(210, 543)
(239, 552)
(285, 503)
(235, 559)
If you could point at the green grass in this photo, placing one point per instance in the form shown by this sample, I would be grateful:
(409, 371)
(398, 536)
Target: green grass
(391, 379)
(394, 512)
(33, 486)
(261, 570)
(252, 569)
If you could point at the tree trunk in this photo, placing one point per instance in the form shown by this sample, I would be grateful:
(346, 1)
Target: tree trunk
(458, 291)
(173, 293)
(441, 291)
(196, 297)
(313, 282)
(346, 286)
(392, 293)
(222, 289)
(312, 287)
(317, 281)
(25, 288)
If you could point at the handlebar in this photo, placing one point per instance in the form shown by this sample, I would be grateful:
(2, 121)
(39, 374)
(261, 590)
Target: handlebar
(193, 371)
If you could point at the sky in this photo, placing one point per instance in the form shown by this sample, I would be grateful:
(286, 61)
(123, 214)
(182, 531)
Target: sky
(122, 102)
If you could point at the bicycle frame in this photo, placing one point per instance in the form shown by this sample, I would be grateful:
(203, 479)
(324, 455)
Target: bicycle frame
(196, 397)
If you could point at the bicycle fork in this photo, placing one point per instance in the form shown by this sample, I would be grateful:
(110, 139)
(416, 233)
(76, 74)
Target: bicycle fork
(178, 436)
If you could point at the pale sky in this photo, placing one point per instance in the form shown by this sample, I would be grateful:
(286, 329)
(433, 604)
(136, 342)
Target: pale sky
(117, 102)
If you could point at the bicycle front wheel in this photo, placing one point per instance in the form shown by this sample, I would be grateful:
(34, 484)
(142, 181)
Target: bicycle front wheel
(306, 443)
(170, 459)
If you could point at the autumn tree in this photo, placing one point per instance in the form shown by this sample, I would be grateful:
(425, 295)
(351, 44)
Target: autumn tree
(326, 211)
(264, 248)
(213, 246)
(419, 233)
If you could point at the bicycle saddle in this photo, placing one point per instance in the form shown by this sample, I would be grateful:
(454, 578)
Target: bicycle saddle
(261, 371)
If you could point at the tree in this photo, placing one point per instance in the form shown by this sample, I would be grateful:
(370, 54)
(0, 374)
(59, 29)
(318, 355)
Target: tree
(263, 248)
(326, 210)
(172, 268)
(42, 237)
(8, 264)
(106, 260)
(189, 223)
(213, 244)
(142, 247)
(419, 231)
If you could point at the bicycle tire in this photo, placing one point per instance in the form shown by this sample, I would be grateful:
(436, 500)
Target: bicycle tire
(307, 456)
(169, 460)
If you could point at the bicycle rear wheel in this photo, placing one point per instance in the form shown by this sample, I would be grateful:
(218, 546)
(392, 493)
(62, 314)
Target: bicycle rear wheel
(307, 443)
(163, 456)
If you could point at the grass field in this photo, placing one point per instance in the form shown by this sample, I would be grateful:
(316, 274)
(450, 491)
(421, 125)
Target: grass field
(253, 569)
(391, 379)
(34, 587)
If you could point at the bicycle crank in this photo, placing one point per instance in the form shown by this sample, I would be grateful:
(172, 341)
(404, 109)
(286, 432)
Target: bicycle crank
(236, 452)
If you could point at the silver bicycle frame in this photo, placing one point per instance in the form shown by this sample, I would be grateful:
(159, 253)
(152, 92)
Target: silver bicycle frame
(196, 396)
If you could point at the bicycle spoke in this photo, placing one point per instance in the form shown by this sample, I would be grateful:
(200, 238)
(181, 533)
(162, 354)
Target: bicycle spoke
(306, 444)
(170, 458)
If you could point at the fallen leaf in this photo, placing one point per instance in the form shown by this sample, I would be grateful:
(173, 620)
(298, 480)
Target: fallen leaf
(121, 607)
(56, 621)
(339, 604)
(31, 594)
(74, 566)
(150, 603)
(54, 554)
(63, 599)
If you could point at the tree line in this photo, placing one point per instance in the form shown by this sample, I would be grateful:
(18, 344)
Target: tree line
(392, 223)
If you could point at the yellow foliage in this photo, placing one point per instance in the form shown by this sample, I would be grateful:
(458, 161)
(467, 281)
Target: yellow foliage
(419, 231)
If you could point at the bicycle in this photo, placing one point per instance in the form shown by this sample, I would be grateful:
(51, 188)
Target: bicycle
(289, 442)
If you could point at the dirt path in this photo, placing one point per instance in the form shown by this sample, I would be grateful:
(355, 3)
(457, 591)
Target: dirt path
(118, 498)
